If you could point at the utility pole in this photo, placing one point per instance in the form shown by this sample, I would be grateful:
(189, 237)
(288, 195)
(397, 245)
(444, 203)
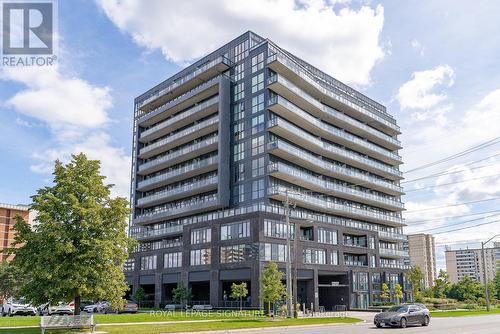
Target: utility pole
(288, 259)
(485, 277)
(295, 301)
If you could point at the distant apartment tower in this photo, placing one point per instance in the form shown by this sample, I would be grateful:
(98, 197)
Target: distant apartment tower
(8, 213)
(469, 262)
(422, 254)
(218, 148)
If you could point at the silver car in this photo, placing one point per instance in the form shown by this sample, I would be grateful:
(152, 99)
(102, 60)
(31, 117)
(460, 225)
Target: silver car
(402, 316)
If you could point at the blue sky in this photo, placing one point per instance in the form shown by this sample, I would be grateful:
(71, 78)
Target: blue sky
(434, 64)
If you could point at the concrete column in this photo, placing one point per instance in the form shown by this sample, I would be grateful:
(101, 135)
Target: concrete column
(255, 286)
(214, 288)
(316, 290)
(158, 289)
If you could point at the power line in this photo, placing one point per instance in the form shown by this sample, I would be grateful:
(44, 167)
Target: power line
(418, 222)
(456, 155)
(451, 183)
(464, 228)
(460, 223)
(454, 223)
(445, 173)
(456, 204)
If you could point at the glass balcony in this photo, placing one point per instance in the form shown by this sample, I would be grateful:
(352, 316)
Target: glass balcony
(393, 252)
(312, 162)
(185, 171)
(171, 194)
(343, 99)
(180, 137)
(337, 208)
(308, 180)
(176, 156)
(179, 86)
(323, 111)
(179, 120)
(330, 132)
(145, 233)
(298, 135)
(391, 236)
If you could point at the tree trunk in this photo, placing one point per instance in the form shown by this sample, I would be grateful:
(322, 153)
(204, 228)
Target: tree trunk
(241, 303)
(77, 305)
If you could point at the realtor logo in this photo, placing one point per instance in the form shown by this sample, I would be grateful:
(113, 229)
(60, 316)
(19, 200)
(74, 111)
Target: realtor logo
(28, 30)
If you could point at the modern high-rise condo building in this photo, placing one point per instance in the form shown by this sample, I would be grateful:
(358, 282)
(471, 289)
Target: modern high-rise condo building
(220, 146)
(423, 254)
(8, 214)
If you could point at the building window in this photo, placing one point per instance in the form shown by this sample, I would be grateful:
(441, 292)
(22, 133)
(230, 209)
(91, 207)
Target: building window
(148, 262)
(257, 103)
(239, 131)
(258, 145)
(239, 91)
(359, 281)
(129, 265)
(258, 62)
(240, 51)
(257, 82)
(235, 253)
(201, 235)
(371, 242)
(258, 167)
(239, 193)
(327, 236)
(201, 256)
(273, 252)
(172, 260)
(334, 258)
(276, 229)
(239, 72)
(258, 189)
(235, 230)
(314, 256)
(376, 281)
(238, 111)
(355, 260)
(239, 172)
(373, 261)
(239, 151)
(257, 124)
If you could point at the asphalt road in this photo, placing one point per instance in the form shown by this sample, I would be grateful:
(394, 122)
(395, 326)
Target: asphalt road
(483, 324)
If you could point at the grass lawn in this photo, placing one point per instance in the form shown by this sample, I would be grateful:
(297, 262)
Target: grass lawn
(196, 327)
(463, 313)
(140, 317)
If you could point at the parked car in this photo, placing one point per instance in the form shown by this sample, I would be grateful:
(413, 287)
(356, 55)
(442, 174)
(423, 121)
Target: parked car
(94, 308)
(60, 308)
(15, 306)
(129, 307)
(85, 303)
(403, 315)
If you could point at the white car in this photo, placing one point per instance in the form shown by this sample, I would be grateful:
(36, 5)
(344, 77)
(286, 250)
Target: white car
(61, 308)
(17, 307)
(95, 308)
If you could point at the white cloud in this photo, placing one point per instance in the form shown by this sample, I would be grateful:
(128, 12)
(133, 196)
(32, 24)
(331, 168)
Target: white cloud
(344, 43)
(76, 113)
(419, 92)
(417, 46)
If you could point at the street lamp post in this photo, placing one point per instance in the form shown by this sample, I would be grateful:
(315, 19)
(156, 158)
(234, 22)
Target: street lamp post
(485, 276)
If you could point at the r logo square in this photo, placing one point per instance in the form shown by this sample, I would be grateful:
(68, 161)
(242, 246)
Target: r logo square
(27, 28)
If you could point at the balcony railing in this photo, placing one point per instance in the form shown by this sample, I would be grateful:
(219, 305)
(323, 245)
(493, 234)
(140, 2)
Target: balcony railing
(333, 168)
(144, 232)
(344, 99)
(355, 263)
(191, 130)
(183, 80)
(162, 195)
(332, 112)
(326, 148)
(392, 235)
(338, 208)
(176, 154)
(393, 252)
(178, 171)
(179, 117)
(331, 186)
(333, 131)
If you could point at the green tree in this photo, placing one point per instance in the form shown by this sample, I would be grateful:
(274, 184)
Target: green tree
(139, 295)
(78, 246)
(416, 277)
(441, 284)
(384, 294)
(10, 280)
(239, 291)
(466, 289)
(181, 294)
(273, 288)
(497, 283)
(398, 293)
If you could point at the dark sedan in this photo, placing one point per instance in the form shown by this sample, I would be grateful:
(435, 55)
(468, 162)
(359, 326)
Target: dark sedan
(402, 316)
